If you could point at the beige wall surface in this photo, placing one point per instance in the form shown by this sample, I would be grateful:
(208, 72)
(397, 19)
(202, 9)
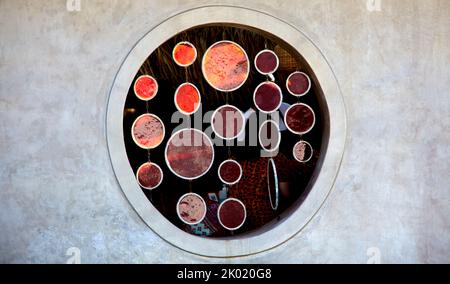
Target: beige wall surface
(391, 200)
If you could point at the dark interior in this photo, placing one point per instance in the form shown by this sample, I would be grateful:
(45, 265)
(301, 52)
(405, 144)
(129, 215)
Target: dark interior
(161, 66)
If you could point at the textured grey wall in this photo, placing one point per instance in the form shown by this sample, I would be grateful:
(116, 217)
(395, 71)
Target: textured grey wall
(57, 188)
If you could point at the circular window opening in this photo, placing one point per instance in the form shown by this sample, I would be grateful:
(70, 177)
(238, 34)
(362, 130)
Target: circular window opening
(238, 192)
(260, 71)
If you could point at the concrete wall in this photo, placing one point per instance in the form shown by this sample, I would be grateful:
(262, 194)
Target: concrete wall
(57, 188)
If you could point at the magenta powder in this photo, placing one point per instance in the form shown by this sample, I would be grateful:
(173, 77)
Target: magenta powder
(266, 62)
(268, 97)
(149, 176)
(298, 83)
(300, 119)
(230, 172)
(232, 214)
(228, 122)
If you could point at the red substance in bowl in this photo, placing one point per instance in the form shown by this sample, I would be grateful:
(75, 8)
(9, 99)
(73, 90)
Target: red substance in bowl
(266, 62)
(298, 84)
(191, 209)
(149, 176)
(300, 119)
(148, 131)
(187, 99)
(232, 214)
(268, 97)
(146, 88)
(225, 66)
(230, 172)
(228, 122)
(189, 154)
(302, 151)
(184, 54)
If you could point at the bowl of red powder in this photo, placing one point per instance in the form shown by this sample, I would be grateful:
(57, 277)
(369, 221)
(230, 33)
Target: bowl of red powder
(303, 152)
(148, 131)
(187, 99)
(191, 209)
(298, 84)
(228, 122)
(189, 154)
(300, 119)
(232, 214)
(230, 172)
(268, 97)
(266, 62)
(225, 66)
(184, 54)
(149, 176)
(145, 87)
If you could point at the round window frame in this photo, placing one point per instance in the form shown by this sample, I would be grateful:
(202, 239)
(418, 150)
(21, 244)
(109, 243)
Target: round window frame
(275, 233)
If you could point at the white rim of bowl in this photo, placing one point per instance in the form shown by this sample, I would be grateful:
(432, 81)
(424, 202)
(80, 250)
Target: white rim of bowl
(214, 129)
(309, 84)
(175, 99)
(281, 97)
(167, 147)
(279, 136)
(309, 145)
(156, 91)
(240, 173)
(220, 208)
(203, 66)
(299, 133)
(264, 51)
(185, 43)
(271, 162)
(134, 138)
(178, 208)
(152, 164)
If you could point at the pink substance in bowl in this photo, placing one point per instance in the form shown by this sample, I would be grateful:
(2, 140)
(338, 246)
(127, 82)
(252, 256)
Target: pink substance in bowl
(303, 152)
(148, 131)
(189, 154)
(228, 122)
(191, 209)
(225, 66)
